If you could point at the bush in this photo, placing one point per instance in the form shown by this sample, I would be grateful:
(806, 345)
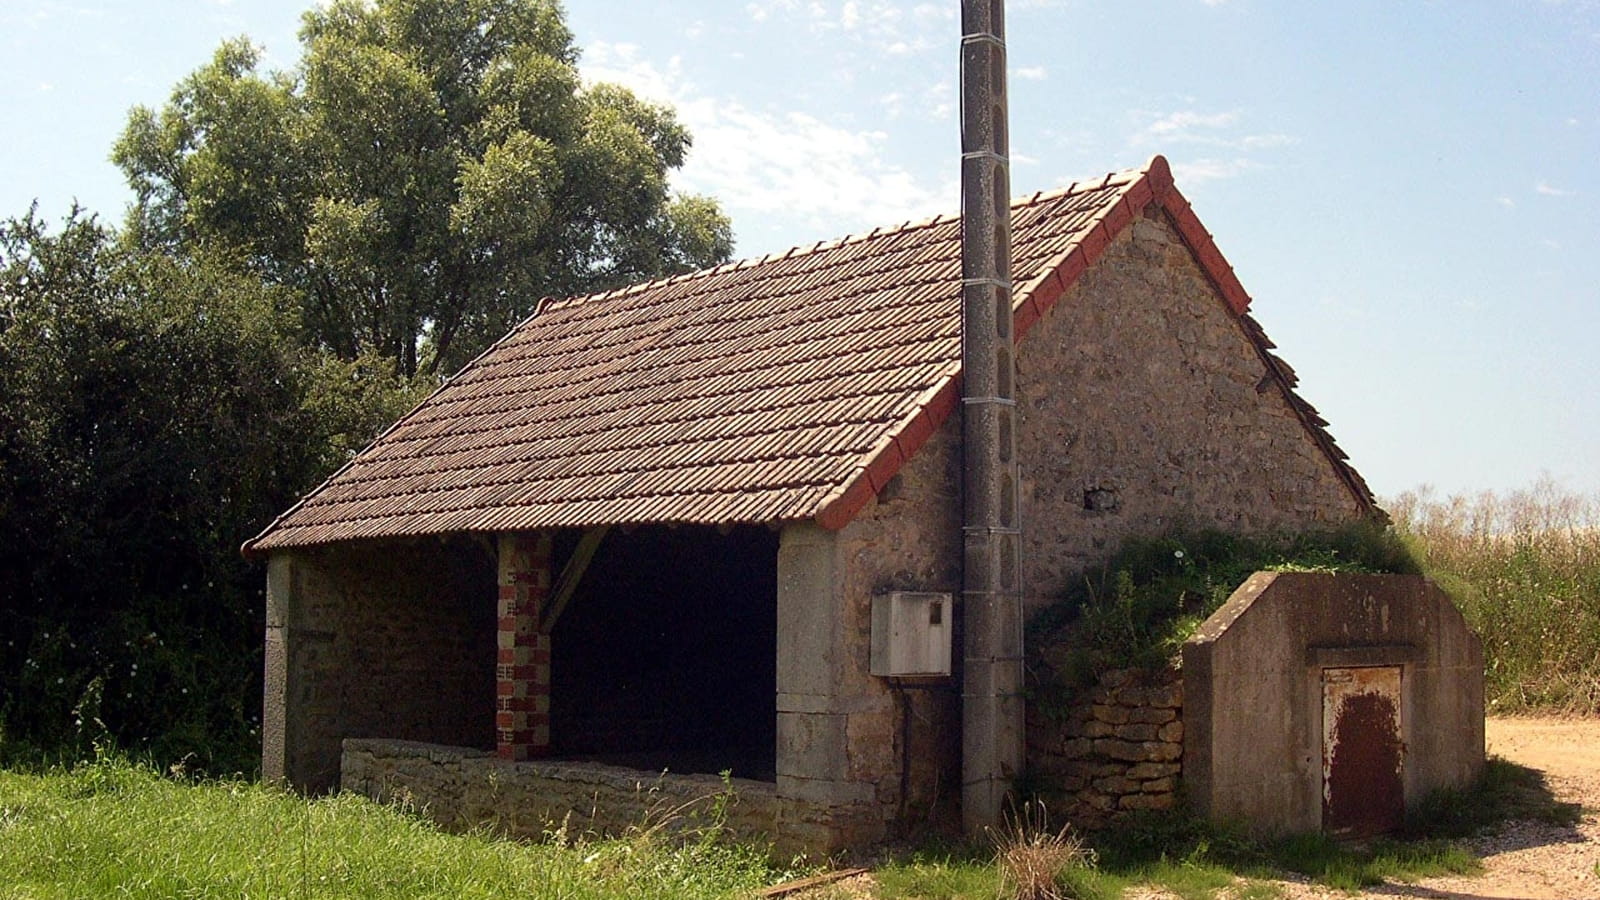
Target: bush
(158, 412)
(1138, 609)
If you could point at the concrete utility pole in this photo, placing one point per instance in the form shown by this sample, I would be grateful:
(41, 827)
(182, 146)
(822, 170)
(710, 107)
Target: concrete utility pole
(991, 688)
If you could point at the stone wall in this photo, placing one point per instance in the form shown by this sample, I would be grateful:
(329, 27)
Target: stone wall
(1111, 748)
(1143, 405)
(910, 540)
(460, 789)
(376, 640)
(868, 757)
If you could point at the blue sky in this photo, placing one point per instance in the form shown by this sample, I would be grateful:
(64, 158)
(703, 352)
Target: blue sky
(1409, 189)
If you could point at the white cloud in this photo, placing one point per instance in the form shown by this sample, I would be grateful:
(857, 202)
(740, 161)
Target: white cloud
(1545, 189)
(1266, 141)
(1186, 125)
(1228, 153)
(1194, 171)
(939, 101)
(1031, 73)
(1507, 202)
(772, 164)
(892, 27)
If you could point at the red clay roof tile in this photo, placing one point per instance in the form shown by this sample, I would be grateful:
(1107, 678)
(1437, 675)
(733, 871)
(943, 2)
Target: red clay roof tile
(785, 388)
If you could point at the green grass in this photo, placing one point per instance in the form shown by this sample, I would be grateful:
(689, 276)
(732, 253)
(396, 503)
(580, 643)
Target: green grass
(1196, 860)
(1504, 791)
(112, 829)
(1138, 609)
(1524, 568)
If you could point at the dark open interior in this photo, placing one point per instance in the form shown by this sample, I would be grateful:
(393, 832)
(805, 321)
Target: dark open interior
(665, 659)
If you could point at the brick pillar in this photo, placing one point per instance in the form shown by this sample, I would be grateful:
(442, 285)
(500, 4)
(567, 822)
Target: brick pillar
(522, 673)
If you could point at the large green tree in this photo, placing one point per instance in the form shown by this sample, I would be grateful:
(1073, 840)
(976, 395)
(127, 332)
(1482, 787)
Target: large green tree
(155, 411)
(428, 172)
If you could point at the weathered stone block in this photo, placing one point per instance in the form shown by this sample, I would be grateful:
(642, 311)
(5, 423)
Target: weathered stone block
(873, 744)
(1128, 751)
(1133, 695)
(1137, 731)
(1154, 770)
(1160, 751)
(1172, 732)
(1146, 801)
(1097, 729)
(1168, 696)
(1152, 715)
(1112, 715)
(1159, 785)
(1117, 785)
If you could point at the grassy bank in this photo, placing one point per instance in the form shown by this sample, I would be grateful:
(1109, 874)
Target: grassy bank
(111, 829)
(1525, 569)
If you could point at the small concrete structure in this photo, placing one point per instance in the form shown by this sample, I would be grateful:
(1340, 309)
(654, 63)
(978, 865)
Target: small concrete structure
(1300, 678)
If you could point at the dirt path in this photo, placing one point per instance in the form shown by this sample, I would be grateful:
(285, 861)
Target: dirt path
(1526, 860)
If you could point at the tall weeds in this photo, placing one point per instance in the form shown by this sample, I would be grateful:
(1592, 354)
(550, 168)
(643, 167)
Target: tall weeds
(1525, 569)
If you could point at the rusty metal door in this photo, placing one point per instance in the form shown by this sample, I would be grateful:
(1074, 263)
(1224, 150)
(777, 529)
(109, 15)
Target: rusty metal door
(1362, 753)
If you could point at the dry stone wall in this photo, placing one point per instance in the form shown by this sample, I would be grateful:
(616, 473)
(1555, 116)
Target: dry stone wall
(460, 789)
(1114, 748)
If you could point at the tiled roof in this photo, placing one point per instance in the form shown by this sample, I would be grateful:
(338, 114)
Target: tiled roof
(785, 388)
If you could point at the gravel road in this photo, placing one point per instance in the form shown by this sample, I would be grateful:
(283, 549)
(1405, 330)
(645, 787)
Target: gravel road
(1525, 860)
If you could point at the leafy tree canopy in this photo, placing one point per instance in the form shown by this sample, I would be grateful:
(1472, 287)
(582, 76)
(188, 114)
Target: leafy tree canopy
(157, 411)
(428, 171)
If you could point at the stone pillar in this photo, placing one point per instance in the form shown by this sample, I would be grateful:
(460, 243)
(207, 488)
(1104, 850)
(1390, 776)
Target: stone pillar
(276, 718)
(305, 680)
(822, 798)
(522, 670)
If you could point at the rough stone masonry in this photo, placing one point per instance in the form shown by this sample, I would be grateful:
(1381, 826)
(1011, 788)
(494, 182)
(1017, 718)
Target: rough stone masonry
(1118, 746)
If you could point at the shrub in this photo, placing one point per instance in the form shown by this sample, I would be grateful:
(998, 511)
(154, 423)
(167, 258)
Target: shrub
(1138, 609)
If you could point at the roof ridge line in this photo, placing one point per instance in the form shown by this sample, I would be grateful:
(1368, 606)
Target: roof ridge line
(1110, 179)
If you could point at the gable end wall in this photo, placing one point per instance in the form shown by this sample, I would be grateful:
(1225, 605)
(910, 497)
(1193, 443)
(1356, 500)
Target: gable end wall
(1140, 386)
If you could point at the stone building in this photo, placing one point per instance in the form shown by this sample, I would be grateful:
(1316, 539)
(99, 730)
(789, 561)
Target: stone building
(645, 531)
